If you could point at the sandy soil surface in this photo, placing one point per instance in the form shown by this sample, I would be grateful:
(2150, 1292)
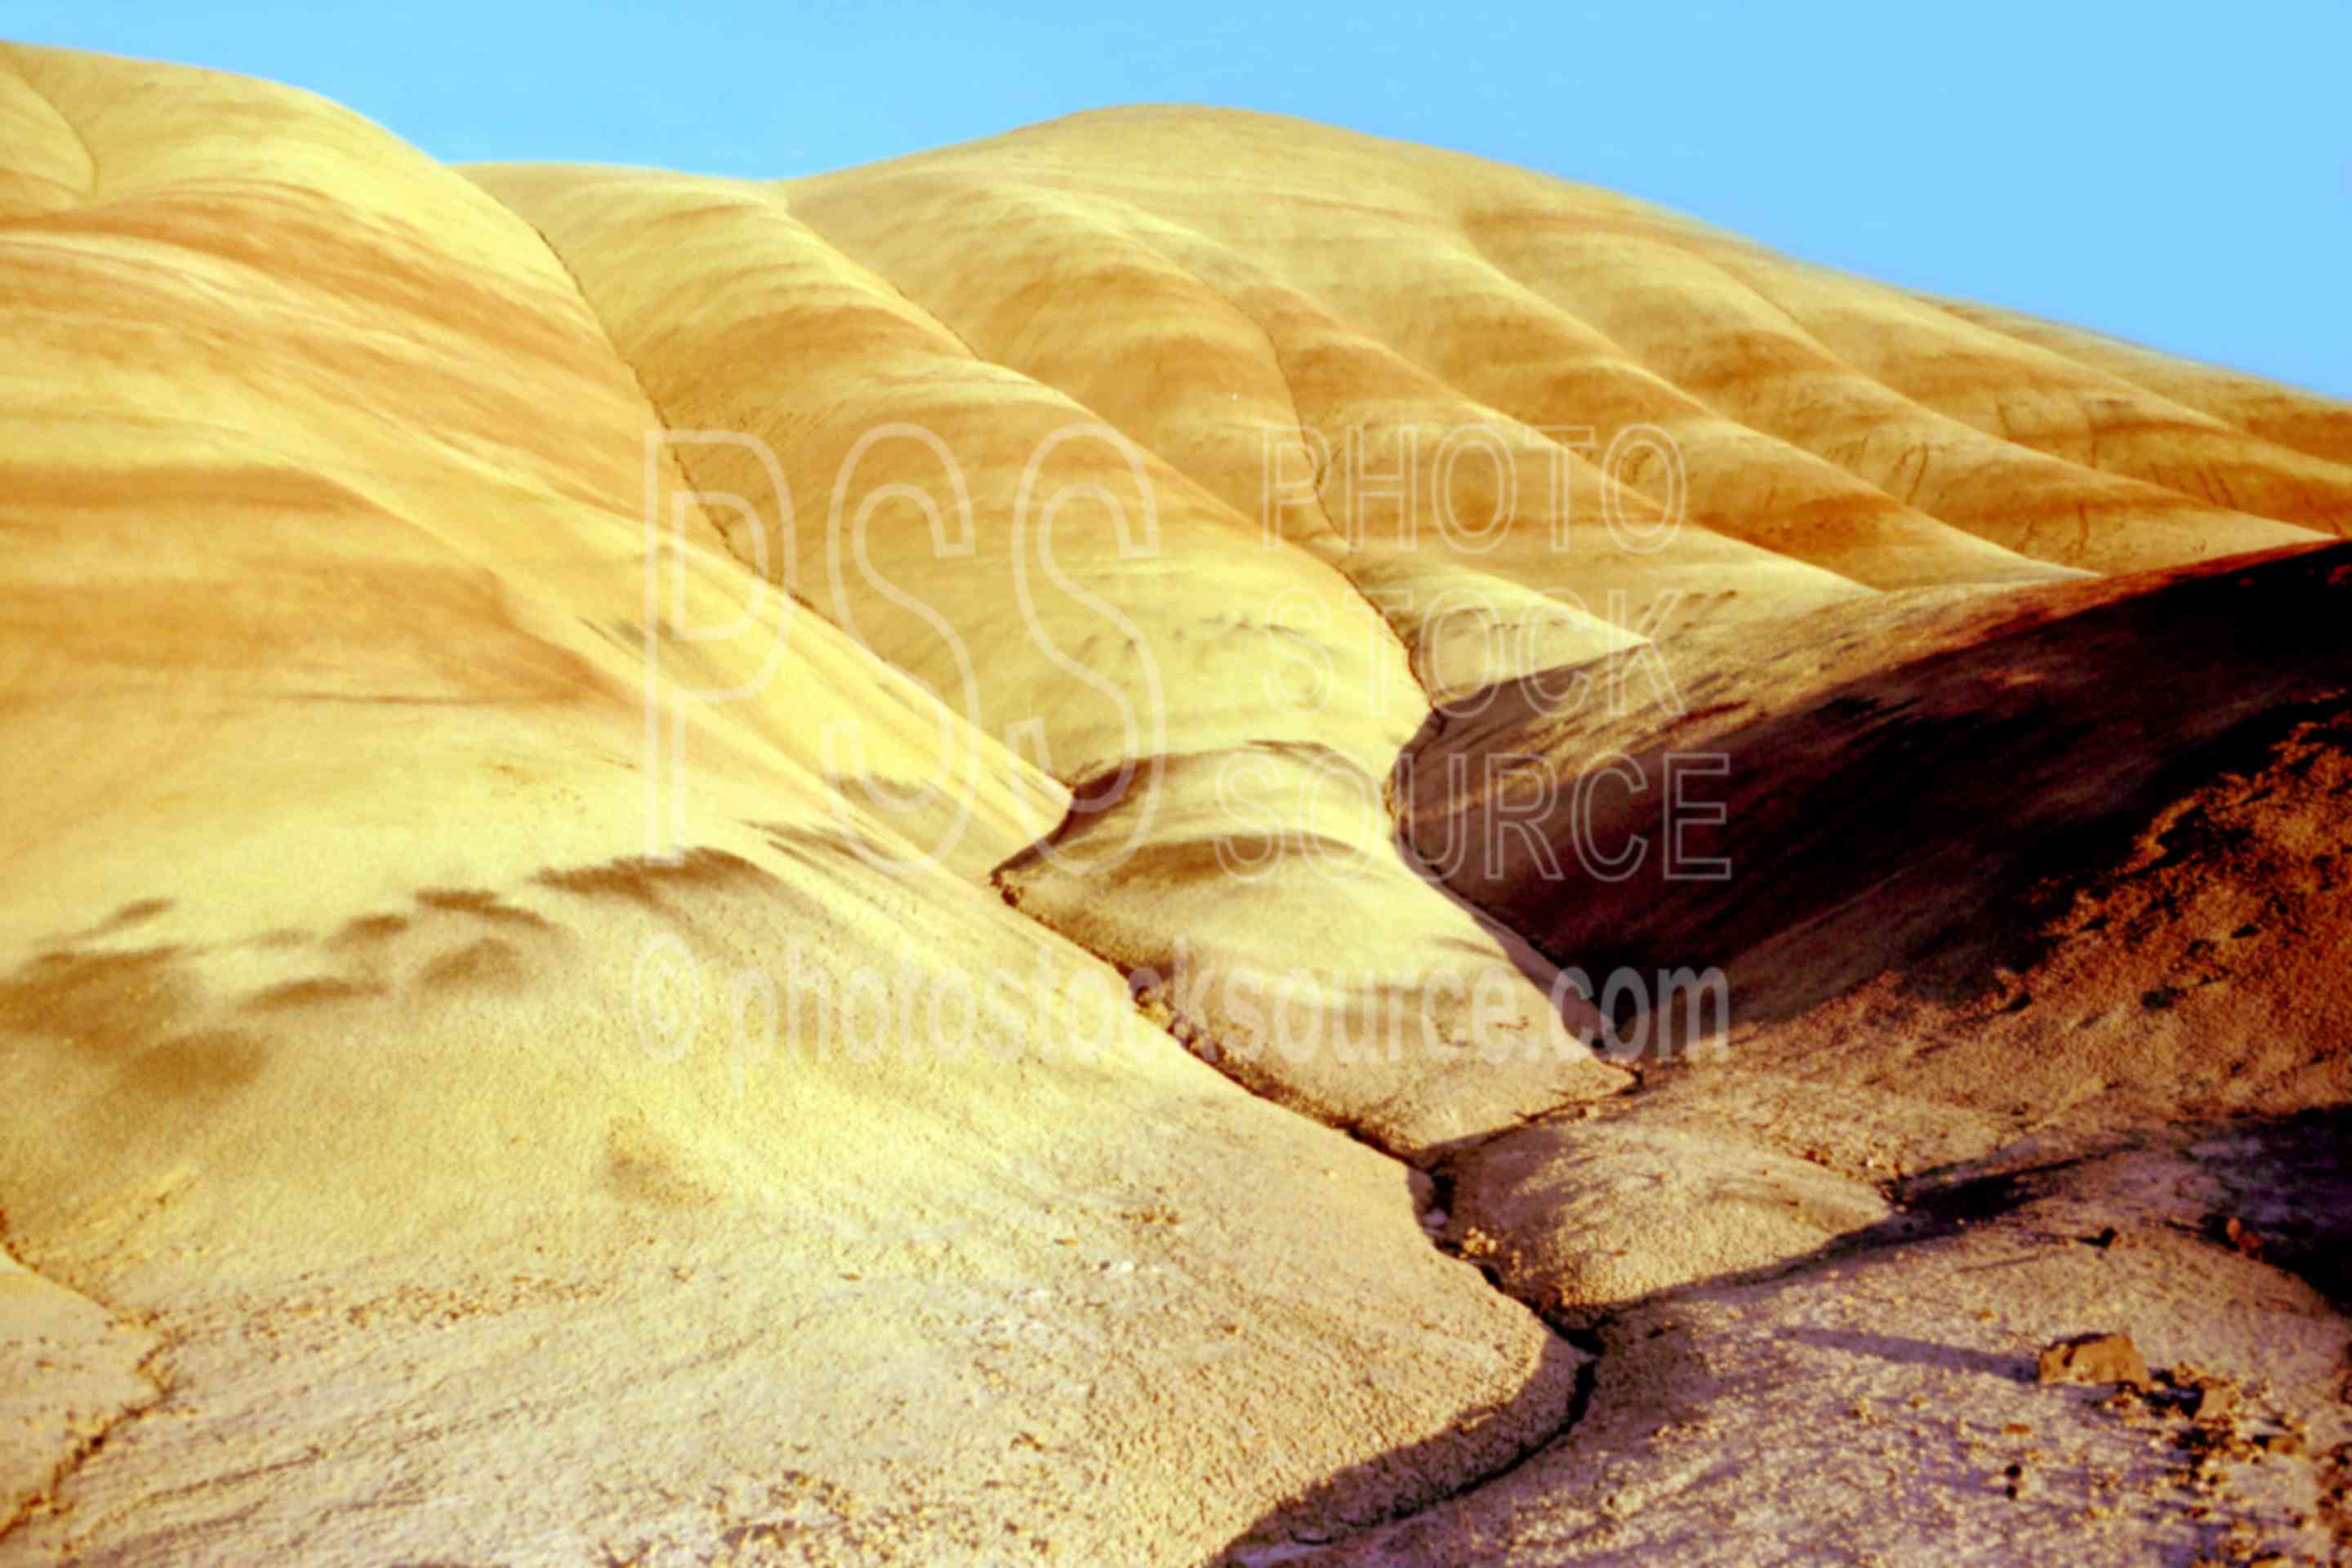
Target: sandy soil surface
(925, 866)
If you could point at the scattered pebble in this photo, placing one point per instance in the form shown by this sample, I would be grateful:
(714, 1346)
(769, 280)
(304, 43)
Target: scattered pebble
(2095, 1358)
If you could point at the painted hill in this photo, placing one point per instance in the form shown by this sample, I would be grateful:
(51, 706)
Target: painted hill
(710, 871)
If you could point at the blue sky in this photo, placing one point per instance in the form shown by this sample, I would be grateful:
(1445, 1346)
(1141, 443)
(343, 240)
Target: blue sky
(2163, 172)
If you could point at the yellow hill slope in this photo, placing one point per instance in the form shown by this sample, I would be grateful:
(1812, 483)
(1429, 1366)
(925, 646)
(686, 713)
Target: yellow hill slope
(681, 849)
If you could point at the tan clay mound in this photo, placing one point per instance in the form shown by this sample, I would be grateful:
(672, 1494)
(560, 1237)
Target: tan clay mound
(708, 871)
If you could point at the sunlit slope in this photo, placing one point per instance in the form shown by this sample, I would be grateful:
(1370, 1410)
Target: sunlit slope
(364, 1053)
(1835, 420)
(1182, 665)
(320, 473)
(965, 519)
(2286, 417)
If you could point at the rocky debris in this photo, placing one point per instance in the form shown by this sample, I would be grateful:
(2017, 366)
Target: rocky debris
(2200, 1394)
(2095, 1358)
(2216, 1419)
(2241, 1552)
(2336, 1497)
(2211, 1445)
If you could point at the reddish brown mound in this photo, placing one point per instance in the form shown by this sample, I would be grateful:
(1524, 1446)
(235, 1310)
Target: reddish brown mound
(1923, 815)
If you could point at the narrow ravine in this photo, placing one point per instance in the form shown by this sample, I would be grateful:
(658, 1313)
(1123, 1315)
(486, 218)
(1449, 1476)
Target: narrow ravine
(1429, 1185)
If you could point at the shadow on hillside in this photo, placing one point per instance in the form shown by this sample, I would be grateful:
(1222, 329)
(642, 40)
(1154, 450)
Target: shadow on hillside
(1423, 1475)
(1928, 818)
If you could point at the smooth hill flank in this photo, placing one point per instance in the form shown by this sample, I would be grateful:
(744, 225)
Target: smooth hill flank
(1233, 414)
(712, 871)
(365, 1057)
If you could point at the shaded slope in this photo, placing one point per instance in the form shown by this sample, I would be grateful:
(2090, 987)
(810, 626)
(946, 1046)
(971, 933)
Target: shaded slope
(1877, 805)
(1993, 1081)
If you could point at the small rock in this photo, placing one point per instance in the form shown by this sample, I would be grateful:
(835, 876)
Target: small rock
(2211, 1401)
(2095, 1358)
